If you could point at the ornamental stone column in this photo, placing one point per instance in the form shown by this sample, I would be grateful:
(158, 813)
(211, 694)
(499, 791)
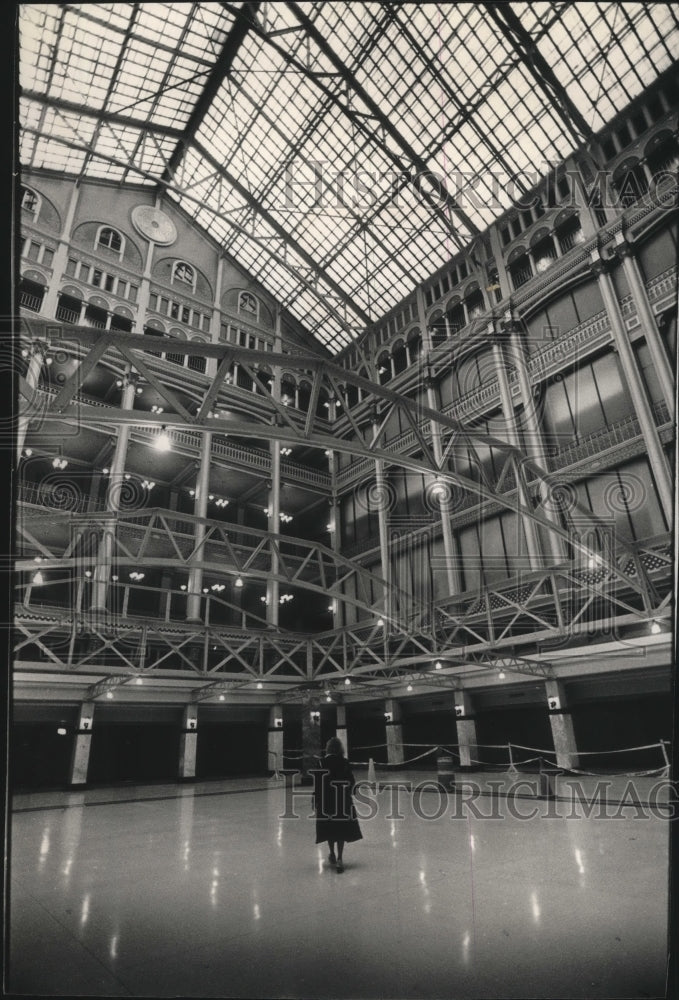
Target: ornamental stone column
(80, 758)
(507, 405)
(200, 509)
(188, 743)
(659, 465)
(624, 251)
(394, 731)
(533, 436)
(465, 726)
(275, 736)
(561, 723)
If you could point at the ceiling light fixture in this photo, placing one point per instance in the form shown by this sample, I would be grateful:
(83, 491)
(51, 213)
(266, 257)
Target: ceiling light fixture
(163, 442)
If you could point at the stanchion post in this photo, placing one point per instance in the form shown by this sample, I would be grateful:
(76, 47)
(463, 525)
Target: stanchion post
(512, 765)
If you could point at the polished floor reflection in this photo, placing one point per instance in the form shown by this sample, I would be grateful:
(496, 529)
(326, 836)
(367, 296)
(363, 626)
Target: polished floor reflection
(196, 891)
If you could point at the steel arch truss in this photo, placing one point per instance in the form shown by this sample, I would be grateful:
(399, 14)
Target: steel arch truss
(153, 537)
(603, 582)
(513, 476)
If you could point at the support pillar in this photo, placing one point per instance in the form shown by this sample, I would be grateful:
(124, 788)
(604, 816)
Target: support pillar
(275, 739)
(274, 506)
(450, 551)
(507, 404)
(102, 569)
(311, 740)
(336, 605)
(80, 759)
(341, 728)
(642, 409)
(60, 259)
(274, 526)
(394, 731)
(195, 582)
(625, 252)
(561, 723)
(188, 743)
(534, 440)
(216, 317)
(144, 293)
(383, 529)
(453, 574)
(465, 725)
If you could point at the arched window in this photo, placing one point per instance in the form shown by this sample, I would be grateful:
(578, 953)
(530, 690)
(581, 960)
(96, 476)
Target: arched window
(384, 367)
(474, 301)
(520, 269)
(414, 340)
(110, 239)
(455, 316)
(544, 251)
(437, 325)
(184, 273)
(30, 202)
(662, 153)
(248, 304)
(630, 181)
(400, 357)
(568, 230)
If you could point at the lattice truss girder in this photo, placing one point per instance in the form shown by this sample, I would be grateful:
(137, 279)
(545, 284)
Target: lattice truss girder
(153, 537)
(464, 634)
(472, 630)
(86, 642)
(513, 478)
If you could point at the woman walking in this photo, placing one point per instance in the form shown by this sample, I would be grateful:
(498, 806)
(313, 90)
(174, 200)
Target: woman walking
(336, 820)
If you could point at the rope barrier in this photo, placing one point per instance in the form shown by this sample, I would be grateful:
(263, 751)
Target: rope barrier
(546, 757)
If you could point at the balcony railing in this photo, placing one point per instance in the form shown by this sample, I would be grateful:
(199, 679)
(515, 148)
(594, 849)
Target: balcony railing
(520, 275)
(32, 302)
(66, 498)
(570, 238)
(68, 315)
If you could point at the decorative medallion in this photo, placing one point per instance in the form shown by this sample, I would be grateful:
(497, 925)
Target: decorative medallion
(154, 225)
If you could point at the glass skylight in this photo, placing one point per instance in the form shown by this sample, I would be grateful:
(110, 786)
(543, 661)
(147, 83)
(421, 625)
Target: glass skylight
(302, 159)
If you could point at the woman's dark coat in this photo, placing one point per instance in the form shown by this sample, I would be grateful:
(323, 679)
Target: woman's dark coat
(335, 812)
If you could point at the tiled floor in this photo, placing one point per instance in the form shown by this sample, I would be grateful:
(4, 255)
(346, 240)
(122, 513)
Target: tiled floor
(195, 891)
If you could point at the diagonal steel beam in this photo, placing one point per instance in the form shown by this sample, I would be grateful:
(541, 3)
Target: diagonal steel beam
(422, 170)
(280, 231)
(219, 71)
(110, 117)
(543, 74)
(485, 137)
